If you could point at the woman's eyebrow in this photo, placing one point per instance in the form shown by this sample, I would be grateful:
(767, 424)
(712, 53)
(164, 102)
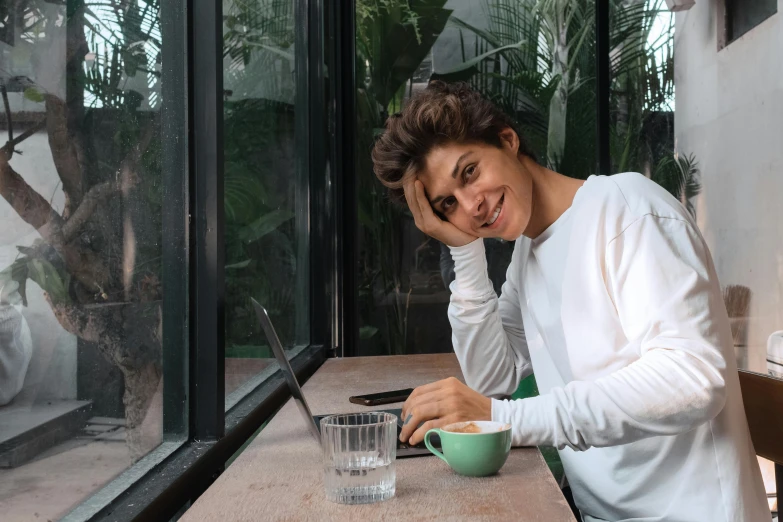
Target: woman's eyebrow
(437, 199)
(456, 165)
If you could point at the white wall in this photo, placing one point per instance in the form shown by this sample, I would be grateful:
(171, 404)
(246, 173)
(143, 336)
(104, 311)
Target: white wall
(52, 370)
(730, 116)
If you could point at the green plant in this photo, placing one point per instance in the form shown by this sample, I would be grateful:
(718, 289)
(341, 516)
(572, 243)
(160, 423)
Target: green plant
(535, 60)
(393, 37)
(261, 235)
(680, 176)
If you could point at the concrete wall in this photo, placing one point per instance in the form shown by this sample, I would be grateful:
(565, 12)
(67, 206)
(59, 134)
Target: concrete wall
(730, 115)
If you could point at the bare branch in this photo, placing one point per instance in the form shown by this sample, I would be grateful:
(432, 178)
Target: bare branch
(64, 149)
(9, 147)
(126, 179)
(8, 118)
(29, 204)
(90, 201)
(84, 265)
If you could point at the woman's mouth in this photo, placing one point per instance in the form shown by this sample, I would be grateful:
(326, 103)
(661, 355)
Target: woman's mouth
(496, 214)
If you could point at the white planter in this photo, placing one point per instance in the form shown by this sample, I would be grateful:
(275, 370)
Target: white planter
(680, 5)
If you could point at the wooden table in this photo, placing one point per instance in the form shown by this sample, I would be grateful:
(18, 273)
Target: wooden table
(279, 476)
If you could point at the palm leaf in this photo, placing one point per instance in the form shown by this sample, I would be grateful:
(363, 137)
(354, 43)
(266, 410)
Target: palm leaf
(679, 175)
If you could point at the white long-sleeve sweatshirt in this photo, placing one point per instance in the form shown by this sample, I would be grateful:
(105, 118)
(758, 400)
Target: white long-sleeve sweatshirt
(618, 309)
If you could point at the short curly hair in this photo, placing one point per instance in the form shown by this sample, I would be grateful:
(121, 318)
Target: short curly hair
(439, 114)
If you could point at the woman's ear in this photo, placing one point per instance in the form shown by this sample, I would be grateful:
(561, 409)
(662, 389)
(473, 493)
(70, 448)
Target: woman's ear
(509, 140)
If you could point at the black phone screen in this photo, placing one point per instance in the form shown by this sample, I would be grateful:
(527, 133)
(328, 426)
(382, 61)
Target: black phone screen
(396, 395)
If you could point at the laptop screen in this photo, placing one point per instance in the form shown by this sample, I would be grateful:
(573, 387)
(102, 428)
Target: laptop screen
(285, 368)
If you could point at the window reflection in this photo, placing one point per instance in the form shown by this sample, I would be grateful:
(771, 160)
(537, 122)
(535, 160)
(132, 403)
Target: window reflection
(80, 248)
(266, 215)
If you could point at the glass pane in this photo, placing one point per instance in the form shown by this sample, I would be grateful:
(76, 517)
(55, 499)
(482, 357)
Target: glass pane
(719, 153)
(546, 83)
(744, 15)
(265, 188)
(83, 171)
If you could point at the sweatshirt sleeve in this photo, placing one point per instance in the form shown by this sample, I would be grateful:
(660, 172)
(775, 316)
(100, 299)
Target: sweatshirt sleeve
(660, 276)
(487, 331)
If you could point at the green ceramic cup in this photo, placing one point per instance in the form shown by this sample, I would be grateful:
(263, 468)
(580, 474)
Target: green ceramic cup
(473, 454)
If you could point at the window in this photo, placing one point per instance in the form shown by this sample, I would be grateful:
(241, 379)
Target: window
(740, 16)
(403, 275)
(266, 189)
(92, 271)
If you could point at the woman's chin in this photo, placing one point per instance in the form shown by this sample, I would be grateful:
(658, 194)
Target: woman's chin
(511, 231)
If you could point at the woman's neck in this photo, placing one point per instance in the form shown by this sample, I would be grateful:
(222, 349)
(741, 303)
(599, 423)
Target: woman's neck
(553, 194)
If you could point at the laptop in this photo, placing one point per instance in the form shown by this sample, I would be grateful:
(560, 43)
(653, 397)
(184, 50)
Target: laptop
(313, 421)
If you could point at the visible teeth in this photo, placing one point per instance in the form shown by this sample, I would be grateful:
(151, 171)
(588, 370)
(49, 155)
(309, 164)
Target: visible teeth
(494, 216)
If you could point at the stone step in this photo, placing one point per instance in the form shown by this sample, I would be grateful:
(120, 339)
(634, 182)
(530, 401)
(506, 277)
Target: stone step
(26, 432)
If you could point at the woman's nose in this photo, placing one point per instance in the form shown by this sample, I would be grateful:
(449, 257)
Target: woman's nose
(472, 202)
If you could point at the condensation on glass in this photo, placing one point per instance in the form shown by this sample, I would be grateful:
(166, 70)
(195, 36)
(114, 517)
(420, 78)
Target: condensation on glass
(81, 284)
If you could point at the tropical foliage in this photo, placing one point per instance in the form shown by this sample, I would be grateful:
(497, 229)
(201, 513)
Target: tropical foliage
(260, 146)
(536, 60)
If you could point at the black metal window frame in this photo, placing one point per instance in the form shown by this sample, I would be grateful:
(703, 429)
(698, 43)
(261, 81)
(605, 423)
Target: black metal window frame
(200, 434)
(166, 482)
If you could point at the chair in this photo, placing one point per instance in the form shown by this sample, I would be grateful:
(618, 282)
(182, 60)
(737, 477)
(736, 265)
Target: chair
(763, 398)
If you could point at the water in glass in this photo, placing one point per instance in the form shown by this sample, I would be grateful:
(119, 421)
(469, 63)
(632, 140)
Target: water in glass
(359, 453)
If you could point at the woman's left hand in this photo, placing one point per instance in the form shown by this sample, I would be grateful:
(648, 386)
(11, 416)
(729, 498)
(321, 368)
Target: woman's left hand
(439, 404)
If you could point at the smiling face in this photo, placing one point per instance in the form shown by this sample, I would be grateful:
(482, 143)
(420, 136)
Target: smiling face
(481, 189)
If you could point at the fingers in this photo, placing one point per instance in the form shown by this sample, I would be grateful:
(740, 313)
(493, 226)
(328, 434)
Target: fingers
(424, 204)
(423, 215)
(424, 390)
(419, 434)
(413, 203)
(417, 415)
(420, 400)
(428, 222)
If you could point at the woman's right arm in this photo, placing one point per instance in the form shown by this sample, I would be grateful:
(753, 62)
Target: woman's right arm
(487, 331)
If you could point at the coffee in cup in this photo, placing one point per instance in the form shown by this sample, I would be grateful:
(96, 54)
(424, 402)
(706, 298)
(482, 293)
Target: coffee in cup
(474, 448)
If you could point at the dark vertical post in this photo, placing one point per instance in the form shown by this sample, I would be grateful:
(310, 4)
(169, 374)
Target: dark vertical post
(207, 364)
(343, 87)
(303, 132)
(311, 82)
(174, 265)
(602, 84)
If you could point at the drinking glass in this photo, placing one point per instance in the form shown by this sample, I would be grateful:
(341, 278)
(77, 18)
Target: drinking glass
(359, 452)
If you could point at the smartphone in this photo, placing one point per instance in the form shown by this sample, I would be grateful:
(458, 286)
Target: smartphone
(374, 399)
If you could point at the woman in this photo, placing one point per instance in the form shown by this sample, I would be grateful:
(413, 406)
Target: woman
(611, 297)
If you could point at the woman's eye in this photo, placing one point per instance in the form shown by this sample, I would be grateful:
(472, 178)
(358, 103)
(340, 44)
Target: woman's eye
(469, 171)
(449, 202)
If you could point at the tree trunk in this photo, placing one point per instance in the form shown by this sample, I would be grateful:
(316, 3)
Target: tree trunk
(556, 137)
(141, 385)
(129, 336)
